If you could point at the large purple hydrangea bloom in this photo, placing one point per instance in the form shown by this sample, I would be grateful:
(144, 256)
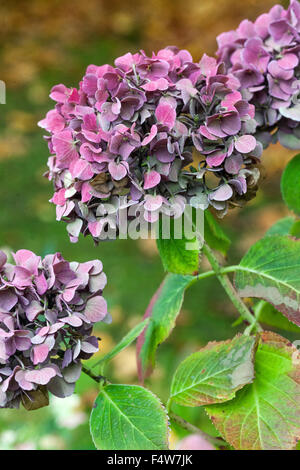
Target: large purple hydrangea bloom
(47, 311)
(264, 56)
(132, 130)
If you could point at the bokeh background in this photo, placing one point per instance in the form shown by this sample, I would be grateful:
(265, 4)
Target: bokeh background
(45, 42)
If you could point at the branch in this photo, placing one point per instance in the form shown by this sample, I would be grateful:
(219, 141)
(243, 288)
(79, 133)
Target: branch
(230, 290)
(96, 378)
(194, 430)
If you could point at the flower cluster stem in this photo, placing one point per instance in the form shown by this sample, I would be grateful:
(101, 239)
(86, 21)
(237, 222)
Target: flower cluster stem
(96, 378)
(230, 290)
(194, 430)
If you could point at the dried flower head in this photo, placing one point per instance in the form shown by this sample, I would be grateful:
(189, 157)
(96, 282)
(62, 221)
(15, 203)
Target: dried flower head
(47, 311)
(132, 130)
(264, 56)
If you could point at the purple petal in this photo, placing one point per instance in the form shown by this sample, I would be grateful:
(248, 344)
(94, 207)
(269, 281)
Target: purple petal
(72, 372)
(3, 259)
(60, 388)
(7, 300)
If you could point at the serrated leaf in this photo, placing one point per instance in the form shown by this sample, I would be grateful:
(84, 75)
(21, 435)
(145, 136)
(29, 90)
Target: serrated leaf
(290, 184)
(128, 417)
(270, 271)
(281, 227)
(267, 313)
(265, 415)
(163, 310)
(178, 255)
(126, 341)
(214, 234)
(215, 373)
(295, 229)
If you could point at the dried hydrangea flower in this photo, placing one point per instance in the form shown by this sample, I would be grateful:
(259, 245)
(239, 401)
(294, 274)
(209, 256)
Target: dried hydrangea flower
(131, 130)
(47, 311)
(264, 56)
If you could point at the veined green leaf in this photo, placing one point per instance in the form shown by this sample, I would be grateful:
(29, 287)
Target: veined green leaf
(265, 415)
(214, 234)
(281, 227)
(178, 255)
(215, 373)
(267, 313)
(128, 417)
(270, 271)
(290, 184)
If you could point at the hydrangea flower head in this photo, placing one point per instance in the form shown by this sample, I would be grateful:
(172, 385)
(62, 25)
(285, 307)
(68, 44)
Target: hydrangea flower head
(47, 311)
(264, 56)
(131, 130)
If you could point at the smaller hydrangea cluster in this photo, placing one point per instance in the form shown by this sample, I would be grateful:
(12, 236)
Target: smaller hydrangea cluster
(47, 311)
(264, 56)
(131, 130)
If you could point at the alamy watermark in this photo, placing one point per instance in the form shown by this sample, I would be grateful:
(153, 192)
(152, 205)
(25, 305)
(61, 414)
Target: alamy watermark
(128, 219)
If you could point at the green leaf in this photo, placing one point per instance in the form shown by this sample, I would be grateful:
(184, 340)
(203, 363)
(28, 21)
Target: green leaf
(266, 313)
(295, 229)
(163, 310)
(215, 373)
(270, 271)
(265, 414)
(214, 235)
(128, 417)
(281, 227)
(290, 184)
(178, 255)
(126, 341)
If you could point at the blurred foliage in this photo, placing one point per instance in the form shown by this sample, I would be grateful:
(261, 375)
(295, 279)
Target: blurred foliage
(44, 42)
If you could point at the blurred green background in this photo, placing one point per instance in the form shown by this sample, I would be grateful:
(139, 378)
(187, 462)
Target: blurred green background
(45, 42)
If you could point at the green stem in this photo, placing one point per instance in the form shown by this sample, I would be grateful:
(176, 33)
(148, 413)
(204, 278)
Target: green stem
(229, 289)
(194, 430)
(96, 378)
(207, 274)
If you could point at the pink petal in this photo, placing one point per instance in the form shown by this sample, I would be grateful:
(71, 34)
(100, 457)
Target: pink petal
(41, 284)
(166, 115)
(117, 170)
(223, 193)
(245, 143)
(151, 136)
(288, 61)
(39, 353)
(151, 179)
(72, 320)
(153, 202)
(27, 259)
(41, 376)
(96, 309)
(216, 158)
